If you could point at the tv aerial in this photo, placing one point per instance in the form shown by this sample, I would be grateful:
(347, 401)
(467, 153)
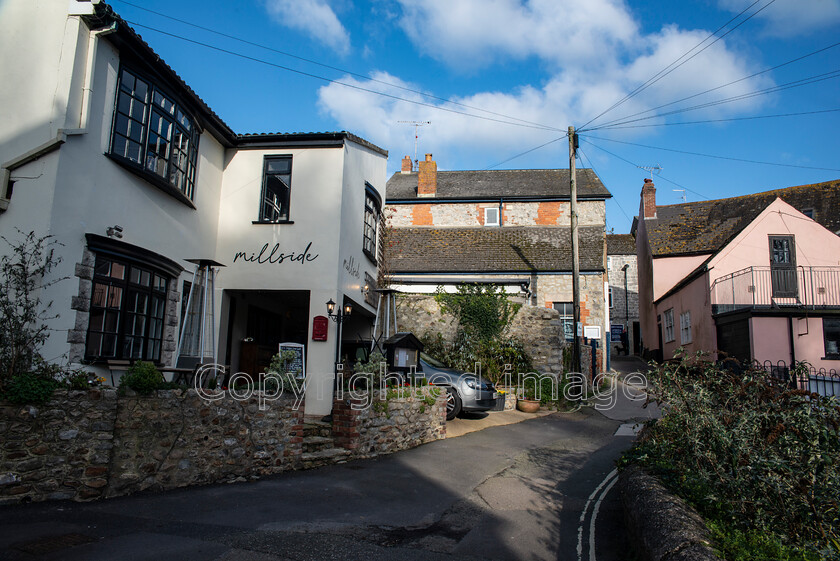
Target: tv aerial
(416, 125)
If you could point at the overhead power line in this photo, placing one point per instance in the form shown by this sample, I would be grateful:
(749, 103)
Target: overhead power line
(323, 65)
(710, 155)
(776, 67)
(702, 196)
(592, 167)
(676, 63)
(527, 152)
(780, 115)
(789, 85)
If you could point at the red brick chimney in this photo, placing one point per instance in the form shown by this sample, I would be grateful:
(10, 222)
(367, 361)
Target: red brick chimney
(648, 209)
(427, 178)
(406, 165)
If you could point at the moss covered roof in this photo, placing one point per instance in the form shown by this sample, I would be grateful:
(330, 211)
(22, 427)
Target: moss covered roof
(706, 226)
(491, 249)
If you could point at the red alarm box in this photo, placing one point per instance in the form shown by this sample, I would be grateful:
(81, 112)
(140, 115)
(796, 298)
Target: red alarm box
(320, 326)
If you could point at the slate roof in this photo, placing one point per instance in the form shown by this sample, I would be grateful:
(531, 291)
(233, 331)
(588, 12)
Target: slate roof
(621, 244)
(491, 249)
(127, 37)
(707, 226)
(496, 184)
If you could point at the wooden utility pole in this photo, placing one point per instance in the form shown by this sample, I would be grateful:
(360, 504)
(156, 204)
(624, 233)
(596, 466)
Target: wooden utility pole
(575, 257)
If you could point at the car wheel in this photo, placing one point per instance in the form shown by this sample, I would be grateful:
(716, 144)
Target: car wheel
(453, 404)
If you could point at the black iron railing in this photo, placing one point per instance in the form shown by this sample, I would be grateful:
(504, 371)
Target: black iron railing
(822, 381)
(768, 287)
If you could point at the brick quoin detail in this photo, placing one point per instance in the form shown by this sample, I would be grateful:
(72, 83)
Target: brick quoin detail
(548, 213)
(584, 311)
(421, 215)
(427, 177)
(479, 210)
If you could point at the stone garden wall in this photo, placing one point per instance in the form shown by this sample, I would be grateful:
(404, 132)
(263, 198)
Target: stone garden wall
(86, 445)
(388, 425)
(539, 329)
(59, 450)
(176, 439)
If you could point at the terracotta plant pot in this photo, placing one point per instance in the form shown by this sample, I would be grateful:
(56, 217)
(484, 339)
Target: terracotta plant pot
(528, 405)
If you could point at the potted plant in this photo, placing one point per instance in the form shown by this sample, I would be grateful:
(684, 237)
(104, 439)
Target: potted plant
(528, 403)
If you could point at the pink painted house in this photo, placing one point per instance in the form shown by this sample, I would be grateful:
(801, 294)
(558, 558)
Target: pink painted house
(755, 277)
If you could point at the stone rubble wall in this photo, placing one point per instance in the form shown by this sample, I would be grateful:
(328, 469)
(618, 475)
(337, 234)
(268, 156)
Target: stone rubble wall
(369, 429)
(59, 450)
(177, 439)
(86, 445)
(660, 525)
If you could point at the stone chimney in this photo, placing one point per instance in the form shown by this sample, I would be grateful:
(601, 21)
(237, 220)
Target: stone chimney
(406, 165)
(648, 209)
(427, 177)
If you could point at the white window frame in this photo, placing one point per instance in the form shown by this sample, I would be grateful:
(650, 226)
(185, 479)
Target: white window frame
(685, 327)
(496, 221)
(668, 325)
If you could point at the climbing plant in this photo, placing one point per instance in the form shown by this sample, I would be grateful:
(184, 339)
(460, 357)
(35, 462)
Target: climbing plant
(483, 310)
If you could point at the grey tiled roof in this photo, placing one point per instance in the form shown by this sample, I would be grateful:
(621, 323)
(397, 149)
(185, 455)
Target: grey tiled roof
(491, 249)
(495, 184)
(705, 227)
(621, 244)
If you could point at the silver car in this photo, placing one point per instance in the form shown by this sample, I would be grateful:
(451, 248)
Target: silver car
(464, 390)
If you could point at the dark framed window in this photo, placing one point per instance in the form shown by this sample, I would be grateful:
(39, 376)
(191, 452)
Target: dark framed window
(685, 328)
(567, 318)
(276, 190)
(127, 311)
(154, 135)
(831, 337)
(373, 212)
(669, 325)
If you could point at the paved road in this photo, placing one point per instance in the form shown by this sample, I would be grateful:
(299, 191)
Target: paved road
(521, 491)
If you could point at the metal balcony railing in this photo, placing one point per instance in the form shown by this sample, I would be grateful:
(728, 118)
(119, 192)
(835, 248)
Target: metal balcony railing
(766, 288)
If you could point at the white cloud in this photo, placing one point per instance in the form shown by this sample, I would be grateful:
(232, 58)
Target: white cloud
(787, 18)
(315, 17)
(576, 89)
(474, 32)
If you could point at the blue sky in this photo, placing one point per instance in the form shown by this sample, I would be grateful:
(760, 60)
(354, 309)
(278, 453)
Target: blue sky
(537, 65)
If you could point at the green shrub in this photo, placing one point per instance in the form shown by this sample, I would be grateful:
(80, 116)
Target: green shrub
(747, 451)
(30, 388)
(26, 265)
(143, 378)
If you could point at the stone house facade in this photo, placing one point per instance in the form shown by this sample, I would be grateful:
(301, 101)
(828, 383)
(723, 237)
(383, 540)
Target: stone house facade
(623, 298)
(505, 227)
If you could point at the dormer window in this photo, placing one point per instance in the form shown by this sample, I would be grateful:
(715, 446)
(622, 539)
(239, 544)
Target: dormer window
(491, 216)
(154, 136)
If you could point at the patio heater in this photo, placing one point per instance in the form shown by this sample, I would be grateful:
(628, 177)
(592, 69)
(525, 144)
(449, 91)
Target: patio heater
(197, 341)
(386, 318)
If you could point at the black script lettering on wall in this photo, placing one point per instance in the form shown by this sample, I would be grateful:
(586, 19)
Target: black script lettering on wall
(275, 256)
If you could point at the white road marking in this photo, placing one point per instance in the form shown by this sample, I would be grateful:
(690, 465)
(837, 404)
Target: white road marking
(594, 516)
(610, 475)
(628, 429)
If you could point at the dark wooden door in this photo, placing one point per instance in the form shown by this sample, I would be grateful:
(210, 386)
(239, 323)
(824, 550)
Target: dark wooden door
(783, 267)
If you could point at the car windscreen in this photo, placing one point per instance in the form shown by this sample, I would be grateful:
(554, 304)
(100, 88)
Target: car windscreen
(431, 361)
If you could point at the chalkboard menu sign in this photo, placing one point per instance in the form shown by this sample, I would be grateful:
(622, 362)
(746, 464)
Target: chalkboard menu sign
(297, 364)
